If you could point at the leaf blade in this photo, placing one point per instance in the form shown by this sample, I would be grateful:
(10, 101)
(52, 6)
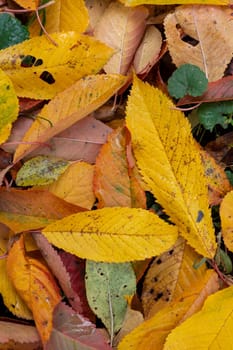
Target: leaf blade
(166, 143)
(106, 234)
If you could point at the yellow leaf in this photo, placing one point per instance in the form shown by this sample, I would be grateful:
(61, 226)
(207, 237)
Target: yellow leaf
(63, 16)
(207, 31)
(68, 107)
(28, 4)
(169, 275)
(8, 106)
(170, 2)
(151, 334)
(112, 234)
(75, 185)
(209, 329)
(11, 298)
(122, 29)
(39, 69)
(35, 285)
(171, 164)
(226, 215)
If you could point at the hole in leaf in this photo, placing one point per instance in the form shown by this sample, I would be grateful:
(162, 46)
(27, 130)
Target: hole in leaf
(185, 37)
(47, 77)
(28, 61)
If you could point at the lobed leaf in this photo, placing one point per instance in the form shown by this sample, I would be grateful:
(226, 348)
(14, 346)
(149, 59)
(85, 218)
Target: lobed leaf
(170, 163)
(112, 234)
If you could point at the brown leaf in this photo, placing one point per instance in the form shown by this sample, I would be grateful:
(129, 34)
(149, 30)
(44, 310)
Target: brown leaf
(209, 29)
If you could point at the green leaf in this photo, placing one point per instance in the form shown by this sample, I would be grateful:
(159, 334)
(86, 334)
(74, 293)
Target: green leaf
(40, 170)
(11, 31)
(107, 286)
(211, 114)
(187, 80)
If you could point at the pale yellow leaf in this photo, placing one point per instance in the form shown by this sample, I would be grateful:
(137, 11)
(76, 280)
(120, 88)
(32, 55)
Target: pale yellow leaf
(95, 9)
(169, 275)
(40, 70)
(170, 2)
(226, 215)
(122, 29)
(210, 31)
(112, 234)
(9, 106)
(210, 328)
(68, 107)
(63, 16)
(170, 164)
(75, 185)
(148, 50)
(151, 334)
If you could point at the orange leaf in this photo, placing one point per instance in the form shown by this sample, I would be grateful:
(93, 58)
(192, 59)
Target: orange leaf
(35, 284)
(226, 215)
(28, 4)
(114, 183)
(21, 210)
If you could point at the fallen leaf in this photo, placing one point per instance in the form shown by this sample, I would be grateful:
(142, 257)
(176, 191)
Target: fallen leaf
(63, 16)
(152, 333)
(95, 9)
(112, 234)
(218, 183)
(18, 336)
(226, 216)
(35, 285)
(207, 31)
(28, 4)
(72, 331)
(107, 286)
(170, 164)
(75, 185)
(80, 99)
(21, 211)
(40, 171)
(169, 275)
(148, 50)
(69, 272)
(38, 69)
(169, 2)
(122, 29)
(11, 299)
(81, 141)
(9, 106)
(209, 328)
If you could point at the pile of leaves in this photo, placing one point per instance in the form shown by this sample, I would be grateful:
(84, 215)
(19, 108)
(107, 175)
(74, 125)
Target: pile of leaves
(116, 219)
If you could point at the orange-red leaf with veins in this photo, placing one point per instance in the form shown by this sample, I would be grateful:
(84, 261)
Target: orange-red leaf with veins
(36, 286)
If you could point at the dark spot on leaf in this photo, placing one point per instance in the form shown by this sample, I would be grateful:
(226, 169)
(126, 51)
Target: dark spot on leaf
(158, 296)
(155, 279)
(47, 77)
(159, 261)
(200, 216)
(167, 299)
(171, 251)
(8, 87)
(151, 291)
(38, 62)
(125, 285)
(28, 61)
(188, 39)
